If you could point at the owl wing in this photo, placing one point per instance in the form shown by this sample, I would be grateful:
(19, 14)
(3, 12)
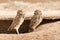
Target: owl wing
(14, 23)
(33, 20)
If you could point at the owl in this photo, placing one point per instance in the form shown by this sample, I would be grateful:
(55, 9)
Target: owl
(35, 20)
(17, 21)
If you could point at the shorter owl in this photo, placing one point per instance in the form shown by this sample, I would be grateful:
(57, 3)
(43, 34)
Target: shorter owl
(17, 21)
(35, 20)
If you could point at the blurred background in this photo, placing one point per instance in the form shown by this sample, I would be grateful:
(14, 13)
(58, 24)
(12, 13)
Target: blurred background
(32, 1)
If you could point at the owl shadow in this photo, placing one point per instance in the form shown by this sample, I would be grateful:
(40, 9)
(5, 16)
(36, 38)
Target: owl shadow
(24, 27)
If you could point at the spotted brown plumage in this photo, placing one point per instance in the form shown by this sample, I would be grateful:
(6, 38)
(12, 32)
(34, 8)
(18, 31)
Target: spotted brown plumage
(17, 21)
(35, 20)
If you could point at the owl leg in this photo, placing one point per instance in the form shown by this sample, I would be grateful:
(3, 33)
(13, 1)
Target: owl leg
(30, 29)
(17, 31)
(34, 27)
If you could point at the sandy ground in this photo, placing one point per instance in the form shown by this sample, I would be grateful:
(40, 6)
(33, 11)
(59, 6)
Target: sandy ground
(49, 31)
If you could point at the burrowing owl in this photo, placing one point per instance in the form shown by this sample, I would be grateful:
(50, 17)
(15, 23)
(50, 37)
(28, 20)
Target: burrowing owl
(35, 20)
(17, 21)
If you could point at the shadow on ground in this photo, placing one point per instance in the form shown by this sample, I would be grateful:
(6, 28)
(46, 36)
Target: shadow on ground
(4, 25)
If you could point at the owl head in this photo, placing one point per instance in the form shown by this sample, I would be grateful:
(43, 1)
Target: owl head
(20, 12)
(37, 12)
